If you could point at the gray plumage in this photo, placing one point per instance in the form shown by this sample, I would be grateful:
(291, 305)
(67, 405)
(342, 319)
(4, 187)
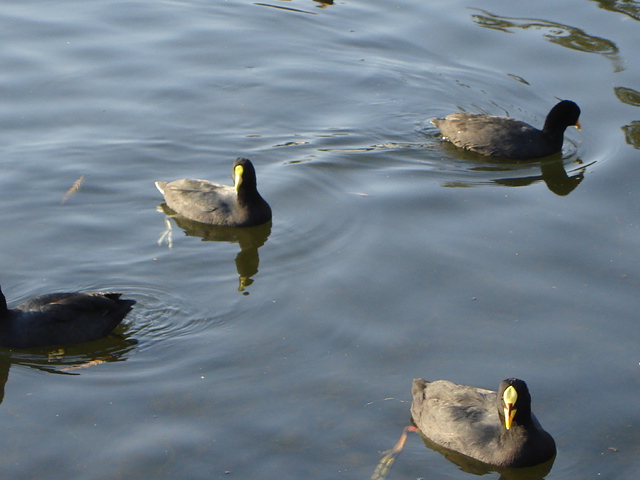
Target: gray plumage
(471, 421)
(231, 206)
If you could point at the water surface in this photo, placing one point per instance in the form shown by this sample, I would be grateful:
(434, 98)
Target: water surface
(289, 352)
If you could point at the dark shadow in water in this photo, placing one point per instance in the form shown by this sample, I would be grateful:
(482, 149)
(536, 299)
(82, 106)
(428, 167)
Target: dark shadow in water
(630, 8)
(564, 35)
(69, 360)
(470, 465)
(250, 239)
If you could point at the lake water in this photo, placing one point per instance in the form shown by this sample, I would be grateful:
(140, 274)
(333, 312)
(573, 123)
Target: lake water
(288, 351)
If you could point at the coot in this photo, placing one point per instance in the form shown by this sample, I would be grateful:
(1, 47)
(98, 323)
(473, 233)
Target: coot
(208, 202)
(507, 137)
(498, 429)
(61, 319)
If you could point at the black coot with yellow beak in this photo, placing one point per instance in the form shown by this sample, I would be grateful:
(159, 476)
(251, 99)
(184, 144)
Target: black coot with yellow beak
(495, 428)
(203, 201)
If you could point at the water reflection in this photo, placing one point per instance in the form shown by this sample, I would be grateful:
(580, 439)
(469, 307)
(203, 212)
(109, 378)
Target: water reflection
(564, 35)
(70, 360)
(5, 365)
(553, 175)
(553, 172)
(250, 239)
(628, 96)
(322, 4)
(626, 7)
(476, 467)
(632, 134)
(280, 7)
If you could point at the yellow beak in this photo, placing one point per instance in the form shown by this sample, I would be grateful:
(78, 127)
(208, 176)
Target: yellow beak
(509, 413)
(578, 125)
(237, 176)
(509, 397)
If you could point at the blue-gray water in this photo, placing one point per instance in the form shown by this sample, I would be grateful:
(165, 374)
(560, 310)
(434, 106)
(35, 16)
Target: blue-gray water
(391, 254)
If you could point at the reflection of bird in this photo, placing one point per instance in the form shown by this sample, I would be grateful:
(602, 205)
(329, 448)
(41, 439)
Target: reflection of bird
(497, 429)
(250, 239)
(61, 319)
(208, 202)
(507, 137)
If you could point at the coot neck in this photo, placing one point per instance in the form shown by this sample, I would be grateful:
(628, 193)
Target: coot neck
(552, 129)
(3, 304)
(248, 195)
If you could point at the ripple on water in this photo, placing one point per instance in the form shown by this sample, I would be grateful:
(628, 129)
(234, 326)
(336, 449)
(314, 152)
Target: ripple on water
(444, 89)
(317, 214)
(162, 317)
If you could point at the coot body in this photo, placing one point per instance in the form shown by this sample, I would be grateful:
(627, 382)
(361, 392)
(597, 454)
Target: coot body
(203, 201)
(61, 319)
(506, 137)
(495, 428)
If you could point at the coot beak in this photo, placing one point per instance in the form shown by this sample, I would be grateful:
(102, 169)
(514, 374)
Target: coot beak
(237, 176)
(509, 397)
(509, 413)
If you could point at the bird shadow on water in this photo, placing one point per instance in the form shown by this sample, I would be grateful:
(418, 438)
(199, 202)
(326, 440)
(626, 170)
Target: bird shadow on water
(68, 360)
(250, 239)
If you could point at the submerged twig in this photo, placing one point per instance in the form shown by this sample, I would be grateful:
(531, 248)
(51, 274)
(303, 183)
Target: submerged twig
(75, 188)
(91, 363)
(382, 470)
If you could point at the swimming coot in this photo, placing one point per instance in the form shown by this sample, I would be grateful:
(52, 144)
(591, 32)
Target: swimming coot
(498, 429)
(208, 202)
(61, 319)
(507, 137)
